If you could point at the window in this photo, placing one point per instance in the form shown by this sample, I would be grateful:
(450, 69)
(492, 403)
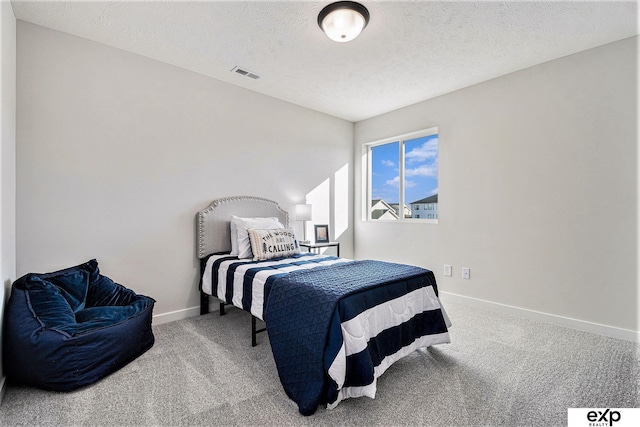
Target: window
(402, 174)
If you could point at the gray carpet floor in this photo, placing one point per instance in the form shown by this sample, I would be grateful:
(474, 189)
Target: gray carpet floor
(499, 370)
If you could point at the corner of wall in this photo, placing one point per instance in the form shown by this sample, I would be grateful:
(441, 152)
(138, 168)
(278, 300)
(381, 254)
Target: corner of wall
(7, 163)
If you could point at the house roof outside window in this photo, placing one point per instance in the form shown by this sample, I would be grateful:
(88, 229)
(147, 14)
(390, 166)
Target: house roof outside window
(430, 199)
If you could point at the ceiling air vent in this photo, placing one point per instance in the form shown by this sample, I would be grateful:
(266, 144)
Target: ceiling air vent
(245, 73)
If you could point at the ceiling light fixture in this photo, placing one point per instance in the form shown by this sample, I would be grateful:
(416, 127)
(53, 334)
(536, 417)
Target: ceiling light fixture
(343, 21)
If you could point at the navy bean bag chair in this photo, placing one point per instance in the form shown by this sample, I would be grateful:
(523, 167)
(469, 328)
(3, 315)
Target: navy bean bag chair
(70, 328)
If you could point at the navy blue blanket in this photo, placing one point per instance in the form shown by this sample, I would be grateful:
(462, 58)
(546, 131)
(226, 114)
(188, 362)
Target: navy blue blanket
(299, 312)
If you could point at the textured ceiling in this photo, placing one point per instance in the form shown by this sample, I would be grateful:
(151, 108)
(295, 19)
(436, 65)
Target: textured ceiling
(409, 52)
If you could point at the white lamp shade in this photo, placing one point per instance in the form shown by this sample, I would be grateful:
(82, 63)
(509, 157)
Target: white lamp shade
(303, 212)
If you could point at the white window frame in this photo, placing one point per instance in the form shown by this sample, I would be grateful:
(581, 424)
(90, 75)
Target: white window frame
(367, 170)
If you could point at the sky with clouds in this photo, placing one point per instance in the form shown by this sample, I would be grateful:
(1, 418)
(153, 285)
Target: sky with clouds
(421, 170)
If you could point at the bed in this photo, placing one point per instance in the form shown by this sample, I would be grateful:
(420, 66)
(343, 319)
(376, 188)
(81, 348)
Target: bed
(335, 325)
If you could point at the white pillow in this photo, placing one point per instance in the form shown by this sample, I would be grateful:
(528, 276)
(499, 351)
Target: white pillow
(234, 237)
(274, 243)
(244, 224)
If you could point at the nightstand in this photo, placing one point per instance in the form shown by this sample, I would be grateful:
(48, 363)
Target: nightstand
(319, 246)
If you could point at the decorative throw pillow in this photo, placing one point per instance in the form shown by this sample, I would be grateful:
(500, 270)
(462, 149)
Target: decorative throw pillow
(274, 243)
(243, 245)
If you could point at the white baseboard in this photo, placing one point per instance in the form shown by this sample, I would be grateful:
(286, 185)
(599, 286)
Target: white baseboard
(159, 319)
(567, 322)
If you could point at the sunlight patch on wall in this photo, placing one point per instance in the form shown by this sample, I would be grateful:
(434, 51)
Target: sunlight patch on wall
(341, 197)
(320, 198)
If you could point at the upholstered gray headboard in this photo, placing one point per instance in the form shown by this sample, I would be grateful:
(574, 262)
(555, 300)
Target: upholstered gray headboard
(213, 223)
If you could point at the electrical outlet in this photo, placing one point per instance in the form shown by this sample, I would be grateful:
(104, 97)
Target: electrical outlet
(466, 273)
(447, 270)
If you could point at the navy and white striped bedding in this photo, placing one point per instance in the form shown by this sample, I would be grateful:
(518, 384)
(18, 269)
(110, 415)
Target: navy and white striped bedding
(242, 282)
(365, 327)
(370, 326)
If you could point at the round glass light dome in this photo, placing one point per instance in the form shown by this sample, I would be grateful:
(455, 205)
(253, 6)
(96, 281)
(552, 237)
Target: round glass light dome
(343, 21)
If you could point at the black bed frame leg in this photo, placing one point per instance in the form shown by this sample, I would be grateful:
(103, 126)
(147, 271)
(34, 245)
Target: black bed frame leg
(255, 331)
(204, 303)
(204, 309)
(254, 342)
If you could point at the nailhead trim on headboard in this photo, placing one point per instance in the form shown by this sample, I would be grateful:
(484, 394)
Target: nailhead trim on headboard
(212, 222)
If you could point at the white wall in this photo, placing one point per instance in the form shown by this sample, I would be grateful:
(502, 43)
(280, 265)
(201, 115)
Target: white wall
(117, 152)
(538, 189)
(538, 183)
(7, 161)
